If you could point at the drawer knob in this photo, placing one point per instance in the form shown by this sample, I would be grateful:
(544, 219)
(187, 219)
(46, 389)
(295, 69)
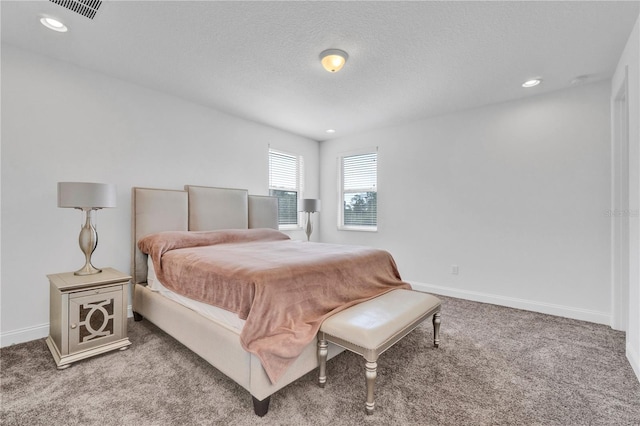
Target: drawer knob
(74, 325)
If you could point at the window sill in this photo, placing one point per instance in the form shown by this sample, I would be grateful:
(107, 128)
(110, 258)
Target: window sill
(289, 228)
(358, 228)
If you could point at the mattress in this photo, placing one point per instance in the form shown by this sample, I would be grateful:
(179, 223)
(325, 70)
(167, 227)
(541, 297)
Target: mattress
(222, 316)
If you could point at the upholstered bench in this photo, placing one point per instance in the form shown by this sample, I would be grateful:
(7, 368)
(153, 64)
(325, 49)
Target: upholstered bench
(372, 327)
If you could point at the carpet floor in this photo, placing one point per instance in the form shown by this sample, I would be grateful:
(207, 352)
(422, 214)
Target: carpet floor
(495, 366)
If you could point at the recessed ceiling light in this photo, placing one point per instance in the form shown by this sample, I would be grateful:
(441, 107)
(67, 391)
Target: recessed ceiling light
(532, 83)
(331, 130)
(54, 24)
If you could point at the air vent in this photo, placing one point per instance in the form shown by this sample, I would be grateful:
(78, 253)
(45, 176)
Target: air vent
(87, 8)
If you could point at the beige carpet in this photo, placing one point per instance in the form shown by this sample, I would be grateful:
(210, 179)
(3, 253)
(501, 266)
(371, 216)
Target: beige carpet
(495, 366)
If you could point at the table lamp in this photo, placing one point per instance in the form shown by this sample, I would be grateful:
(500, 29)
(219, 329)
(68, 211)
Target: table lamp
(309, 205)
(87, 197)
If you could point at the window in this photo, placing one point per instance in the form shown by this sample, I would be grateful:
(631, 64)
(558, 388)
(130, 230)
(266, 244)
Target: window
(358, 191)
(285, 182)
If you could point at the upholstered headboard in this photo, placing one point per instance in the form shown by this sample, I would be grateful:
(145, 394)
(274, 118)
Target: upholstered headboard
(217, 208)
(196, 208)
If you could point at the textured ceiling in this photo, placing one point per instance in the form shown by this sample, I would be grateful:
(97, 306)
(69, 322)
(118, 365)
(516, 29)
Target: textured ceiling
(407, 60)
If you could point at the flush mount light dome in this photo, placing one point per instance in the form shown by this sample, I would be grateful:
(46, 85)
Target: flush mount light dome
(331, 131)
(532, 82)
(333, 59)
(54, 24)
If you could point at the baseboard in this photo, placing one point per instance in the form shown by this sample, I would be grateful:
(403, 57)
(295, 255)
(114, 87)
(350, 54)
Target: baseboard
(24, 335)
(33, 333)
(512, 302)
(634, 359)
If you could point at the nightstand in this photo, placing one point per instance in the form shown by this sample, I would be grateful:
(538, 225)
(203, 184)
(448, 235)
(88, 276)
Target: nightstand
(87, 315)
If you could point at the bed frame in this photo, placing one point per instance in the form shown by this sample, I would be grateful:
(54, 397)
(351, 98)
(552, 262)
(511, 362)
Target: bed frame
(199, 208)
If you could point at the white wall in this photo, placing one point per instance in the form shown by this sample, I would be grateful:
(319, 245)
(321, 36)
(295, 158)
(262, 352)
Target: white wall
(515, 194)
(629, 65)
(64, 123)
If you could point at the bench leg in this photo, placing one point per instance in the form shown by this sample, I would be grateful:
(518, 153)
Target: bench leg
(436, 329)
(323, 350)
(371, 372)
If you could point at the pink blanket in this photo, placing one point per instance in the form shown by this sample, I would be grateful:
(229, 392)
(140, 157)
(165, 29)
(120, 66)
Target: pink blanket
(283, 289)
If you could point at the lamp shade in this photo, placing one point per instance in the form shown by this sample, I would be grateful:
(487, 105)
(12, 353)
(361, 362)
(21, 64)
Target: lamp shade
(86, 195)
(309, 205)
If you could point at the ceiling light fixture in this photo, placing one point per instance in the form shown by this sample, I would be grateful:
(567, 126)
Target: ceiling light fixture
(532, 83)
(333, 59)
(331, 130)
(579, 80)
(54, 24)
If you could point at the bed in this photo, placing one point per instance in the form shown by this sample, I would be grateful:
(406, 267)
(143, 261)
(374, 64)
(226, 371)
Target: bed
(204, 209)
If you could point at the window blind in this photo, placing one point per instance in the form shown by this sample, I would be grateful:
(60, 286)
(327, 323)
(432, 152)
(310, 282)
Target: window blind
(284, 183)
(360, 172)
(283, 170)
(359, 196)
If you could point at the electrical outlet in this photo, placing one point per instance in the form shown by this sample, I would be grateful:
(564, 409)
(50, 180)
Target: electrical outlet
(454, 269)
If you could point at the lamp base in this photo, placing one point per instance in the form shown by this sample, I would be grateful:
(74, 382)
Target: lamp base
(309, 228)
(88, 240)
(87, 269)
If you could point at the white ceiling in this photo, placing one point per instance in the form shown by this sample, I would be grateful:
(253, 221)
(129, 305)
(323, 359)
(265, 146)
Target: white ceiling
(407, 60)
